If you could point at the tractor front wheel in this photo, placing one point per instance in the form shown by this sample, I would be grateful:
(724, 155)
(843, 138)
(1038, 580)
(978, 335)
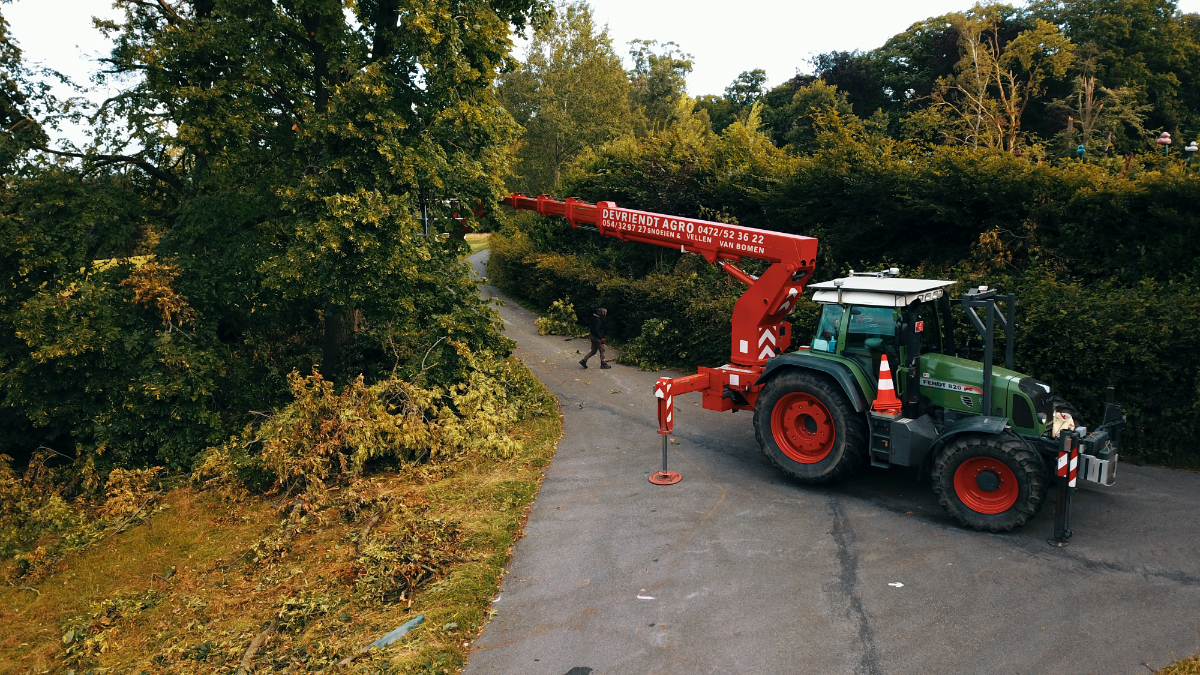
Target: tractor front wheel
(807, 427)
(989, 482)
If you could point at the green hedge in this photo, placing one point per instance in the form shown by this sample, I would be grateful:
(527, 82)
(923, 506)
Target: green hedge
(1103, 260)
(1142, 339)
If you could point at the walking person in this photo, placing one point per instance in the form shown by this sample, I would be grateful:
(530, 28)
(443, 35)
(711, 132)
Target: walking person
(597, 334)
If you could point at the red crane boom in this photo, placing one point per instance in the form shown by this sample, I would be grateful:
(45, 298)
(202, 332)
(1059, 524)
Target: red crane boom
(759, 329)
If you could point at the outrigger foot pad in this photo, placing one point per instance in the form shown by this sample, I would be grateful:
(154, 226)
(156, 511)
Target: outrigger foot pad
(665, 478)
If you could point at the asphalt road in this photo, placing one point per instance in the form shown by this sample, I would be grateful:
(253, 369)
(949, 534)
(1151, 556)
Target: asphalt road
(738, 569)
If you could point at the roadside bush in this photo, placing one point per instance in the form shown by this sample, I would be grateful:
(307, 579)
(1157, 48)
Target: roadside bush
(327, 437)
(1141, 339)
(560, 319)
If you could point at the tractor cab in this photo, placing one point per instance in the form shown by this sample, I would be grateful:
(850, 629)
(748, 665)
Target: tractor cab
(868, 316)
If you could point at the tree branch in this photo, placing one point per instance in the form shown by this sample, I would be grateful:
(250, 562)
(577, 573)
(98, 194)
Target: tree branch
(168, 13)
(142, 164)
(248, 657)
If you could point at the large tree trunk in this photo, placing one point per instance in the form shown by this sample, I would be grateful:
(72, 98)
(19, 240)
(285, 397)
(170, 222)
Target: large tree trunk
(335, 337)
(339, 325)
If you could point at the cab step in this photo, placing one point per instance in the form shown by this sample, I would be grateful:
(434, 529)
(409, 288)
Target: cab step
(881, 435)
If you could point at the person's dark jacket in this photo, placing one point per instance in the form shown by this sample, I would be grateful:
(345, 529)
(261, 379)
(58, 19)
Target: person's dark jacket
(597, 329)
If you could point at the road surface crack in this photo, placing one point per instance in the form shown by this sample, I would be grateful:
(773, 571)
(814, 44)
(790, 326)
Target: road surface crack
(847, 586)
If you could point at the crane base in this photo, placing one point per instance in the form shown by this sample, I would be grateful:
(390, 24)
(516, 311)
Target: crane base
(665, 478)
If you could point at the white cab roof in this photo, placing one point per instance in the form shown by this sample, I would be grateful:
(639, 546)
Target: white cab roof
(880, 291)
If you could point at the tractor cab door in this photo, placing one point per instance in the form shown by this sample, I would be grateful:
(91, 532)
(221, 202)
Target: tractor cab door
(928, 327)
(860, 333)
(871, 333)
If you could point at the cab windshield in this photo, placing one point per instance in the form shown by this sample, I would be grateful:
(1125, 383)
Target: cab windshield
(827, 329)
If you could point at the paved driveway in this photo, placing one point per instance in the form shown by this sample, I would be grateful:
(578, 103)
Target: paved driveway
(740, 570)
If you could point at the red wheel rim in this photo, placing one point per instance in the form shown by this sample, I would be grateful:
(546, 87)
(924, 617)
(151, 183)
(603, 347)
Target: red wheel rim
(803, 428)
(975, 475)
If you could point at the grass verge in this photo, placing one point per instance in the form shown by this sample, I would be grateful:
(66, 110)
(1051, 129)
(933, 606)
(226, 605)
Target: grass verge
(477, 241)
(183, 593)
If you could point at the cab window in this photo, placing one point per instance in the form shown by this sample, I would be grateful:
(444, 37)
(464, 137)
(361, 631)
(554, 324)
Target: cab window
(930, 329)
(827, 329)
(870, 334)
(871, 328)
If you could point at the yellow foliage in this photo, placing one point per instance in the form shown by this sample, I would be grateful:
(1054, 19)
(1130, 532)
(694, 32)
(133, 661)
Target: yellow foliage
(560, 320)
(1185, 667)
(127, 491)
(326, 437)
(152, 288)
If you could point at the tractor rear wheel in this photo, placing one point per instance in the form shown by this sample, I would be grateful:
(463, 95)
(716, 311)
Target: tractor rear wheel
(989, 482)
(807, 427)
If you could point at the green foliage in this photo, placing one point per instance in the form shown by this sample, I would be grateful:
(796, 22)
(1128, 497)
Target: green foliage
(694, 295)
(571, 92)
(560, 319)
(658, 342)
(1141, 339)
(1146, 45)
(657, 80)
(810, 107)
(251, 206)
(1104, 299)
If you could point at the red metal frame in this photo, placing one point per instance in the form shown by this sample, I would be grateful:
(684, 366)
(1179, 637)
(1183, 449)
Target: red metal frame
(759, 329)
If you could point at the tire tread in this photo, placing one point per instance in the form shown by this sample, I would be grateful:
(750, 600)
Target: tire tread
(1020, 452)
(856, 428)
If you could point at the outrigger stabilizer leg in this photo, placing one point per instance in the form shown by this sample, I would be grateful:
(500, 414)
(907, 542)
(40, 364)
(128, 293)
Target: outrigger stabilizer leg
(665, 477)
(1068, 465)
(662, 391)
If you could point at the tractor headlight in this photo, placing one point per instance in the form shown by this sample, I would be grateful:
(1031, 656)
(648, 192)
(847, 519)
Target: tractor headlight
(1042, 418)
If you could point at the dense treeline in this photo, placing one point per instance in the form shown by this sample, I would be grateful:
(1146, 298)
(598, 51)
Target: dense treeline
(901, 156)
(270, 197)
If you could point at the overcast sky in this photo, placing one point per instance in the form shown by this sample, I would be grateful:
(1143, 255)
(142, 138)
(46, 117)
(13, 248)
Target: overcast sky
(779, 36)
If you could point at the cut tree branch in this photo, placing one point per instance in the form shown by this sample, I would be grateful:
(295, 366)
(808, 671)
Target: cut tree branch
(248, 657)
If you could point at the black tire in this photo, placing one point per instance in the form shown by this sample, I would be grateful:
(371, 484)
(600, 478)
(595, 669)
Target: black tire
(845, 452)
(977, 454)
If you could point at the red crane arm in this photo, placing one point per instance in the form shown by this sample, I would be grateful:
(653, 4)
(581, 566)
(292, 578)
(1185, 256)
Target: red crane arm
(715, 241)
(759, 329)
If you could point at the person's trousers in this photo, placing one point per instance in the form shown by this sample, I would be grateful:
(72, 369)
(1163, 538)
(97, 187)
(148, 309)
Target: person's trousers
(597, 346)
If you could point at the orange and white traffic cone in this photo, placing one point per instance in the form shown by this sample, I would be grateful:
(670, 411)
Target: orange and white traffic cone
(886, 401)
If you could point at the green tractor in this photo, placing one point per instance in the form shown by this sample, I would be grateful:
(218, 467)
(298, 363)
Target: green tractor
(985, 435)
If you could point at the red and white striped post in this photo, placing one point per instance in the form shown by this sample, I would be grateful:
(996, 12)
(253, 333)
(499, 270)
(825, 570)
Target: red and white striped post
(1068, 470)
(666, 423)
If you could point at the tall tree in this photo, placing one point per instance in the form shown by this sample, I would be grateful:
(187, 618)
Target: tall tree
(658, 80)
(1095, 112)
(747, 87)
(275, 158)
(1143, 44)
(995, 80)
(571, 92)
(314, 133)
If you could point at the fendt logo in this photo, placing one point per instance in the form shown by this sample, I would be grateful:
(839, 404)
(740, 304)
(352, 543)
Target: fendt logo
(949, 386)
